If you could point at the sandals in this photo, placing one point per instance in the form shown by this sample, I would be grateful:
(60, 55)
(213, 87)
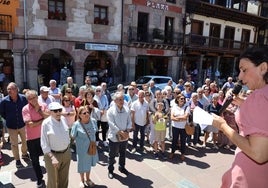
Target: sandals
(90, 183)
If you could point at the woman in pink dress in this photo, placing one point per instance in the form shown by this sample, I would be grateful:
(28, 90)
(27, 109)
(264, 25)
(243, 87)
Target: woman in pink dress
(250, 166)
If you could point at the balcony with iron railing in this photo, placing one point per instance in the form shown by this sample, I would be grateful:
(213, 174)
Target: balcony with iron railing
(214, 44)
(154, 37)
(5, 23)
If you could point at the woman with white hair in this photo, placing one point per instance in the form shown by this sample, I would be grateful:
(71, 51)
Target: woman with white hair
(103, 106)
(214, 107)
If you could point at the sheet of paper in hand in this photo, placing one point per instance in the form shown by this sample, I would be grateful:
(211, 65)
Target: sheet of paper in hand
(202, 117)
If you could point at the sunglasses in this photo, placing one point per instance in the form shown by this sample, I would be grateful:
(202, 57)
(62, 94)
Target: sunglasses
(56, 111)
(68, 92)
(84, 113)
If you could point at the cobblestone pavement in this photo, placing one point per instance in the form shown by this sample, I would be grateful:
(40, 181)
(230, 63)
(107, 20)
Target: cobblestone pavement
(202, 168)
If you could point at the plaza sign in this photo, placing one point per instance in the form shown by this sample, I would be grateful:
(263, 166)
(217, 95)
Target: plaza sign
(155, 5)
(101, 47)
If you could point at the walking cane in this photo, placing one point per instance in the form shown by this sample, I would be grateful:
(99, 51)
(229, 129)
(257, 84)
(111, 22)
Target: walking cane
(56, 176)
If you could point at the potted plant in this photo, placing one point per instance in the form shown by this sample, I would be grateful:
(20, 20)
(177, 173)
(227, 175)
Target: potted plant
(51, 15)
(62, 16)
(105, 21)
(97, 20)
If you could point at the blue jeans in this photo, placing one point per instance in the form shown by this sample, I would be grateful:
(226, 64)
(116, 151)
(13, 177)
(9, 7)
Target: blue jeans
(114, 149)
(138, 129)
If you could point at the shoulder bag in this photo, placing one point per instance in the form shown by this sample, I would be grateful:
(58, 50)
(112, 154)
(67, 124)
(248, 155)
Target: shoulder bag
(92, 148)
(189, 126)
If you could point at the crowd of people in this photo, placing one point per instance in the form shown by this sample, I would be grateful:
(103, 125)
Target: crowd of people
(69, 119)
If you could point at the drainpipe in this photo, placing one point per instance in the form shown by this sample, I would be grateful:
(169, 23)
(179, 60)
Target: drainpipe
(24, 51)
(121, 56)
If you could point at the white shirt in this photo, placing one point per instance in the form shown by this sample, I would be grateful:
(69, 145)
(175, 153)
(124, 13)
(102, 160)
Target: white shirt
(54, 135)
(118, 120)
(141, 110)
(179, 111)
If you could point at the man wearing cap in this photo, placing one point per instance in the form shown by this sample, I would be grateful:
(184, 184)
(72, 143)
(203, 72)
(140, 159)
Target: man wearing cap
(44, 97)
(54, 91)
(55, 142)
(33, 115)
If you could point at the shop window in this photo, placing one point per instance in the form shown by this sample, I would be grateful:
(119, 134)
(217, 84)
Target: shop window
(101, 15)
(56, 10)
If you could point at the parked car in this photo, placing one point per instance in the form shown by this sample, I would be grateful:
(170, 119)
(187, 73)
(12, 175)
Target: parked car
(160, 81)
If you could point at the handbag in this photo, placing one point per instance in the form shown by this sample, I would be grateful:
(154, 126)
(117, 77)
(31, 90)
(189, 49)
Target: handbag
(92, 148)
(189, 128)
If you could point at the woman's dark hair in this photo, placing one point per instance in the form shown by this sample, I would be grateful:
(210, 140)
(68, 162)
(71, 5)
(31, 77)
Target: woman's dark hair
(257, 55)
(178, 98)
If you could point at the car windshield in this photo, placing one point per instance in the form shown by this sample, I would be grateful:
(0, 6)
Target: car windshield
(143, 80)
(161, 80)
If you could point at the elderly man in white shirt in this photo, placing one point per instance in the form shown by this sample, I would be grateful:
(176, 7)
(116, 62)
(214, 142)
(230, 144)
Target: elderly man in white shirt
(44, 96)
(140, 119)
(119, 121)
(55, 142)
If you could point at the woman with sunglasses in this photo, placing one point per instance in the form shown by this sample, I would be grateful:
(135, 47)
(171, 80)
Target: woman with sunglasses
(68, 110)
(69, 113)
(68, 93)
(179, 116)
(83, 131)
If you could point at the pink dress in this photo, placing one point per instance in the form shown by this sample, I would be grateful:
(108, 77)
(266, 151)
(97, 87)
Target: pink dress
(252, 119)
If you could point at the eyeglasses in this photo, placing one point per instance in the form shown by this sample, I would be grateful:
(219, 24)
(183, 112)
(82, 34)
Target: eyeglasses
(84, 113)
(29, 99)
(56, 111)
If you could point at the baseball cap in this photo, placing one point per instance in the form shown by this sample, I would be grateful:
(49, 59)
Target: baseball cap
(44, 88)
(55, 106)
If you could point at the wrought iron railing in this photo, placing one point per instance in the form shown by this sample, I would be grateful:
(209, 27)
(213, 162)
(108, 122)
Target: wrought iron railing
(5, 23)
(154, 36)
(205, 42)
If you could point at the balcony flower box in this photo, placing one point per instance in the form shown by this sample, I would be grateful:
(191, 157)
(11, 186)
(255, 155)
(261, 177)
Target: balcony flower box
(97, 20)
(105, 21)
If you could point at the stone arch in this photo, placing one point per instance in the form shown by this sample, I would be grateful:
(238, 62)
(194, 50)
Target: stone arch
(99, 66)
(51, 65)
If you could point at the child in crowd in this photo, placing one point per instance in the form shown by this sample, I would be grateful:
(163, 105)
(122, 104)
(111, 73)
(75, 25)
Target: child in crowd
(159, 121)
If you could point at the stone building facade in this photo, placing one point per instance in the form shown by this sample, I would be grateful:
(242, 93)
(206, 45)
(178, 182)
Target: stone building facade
(114, 41)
